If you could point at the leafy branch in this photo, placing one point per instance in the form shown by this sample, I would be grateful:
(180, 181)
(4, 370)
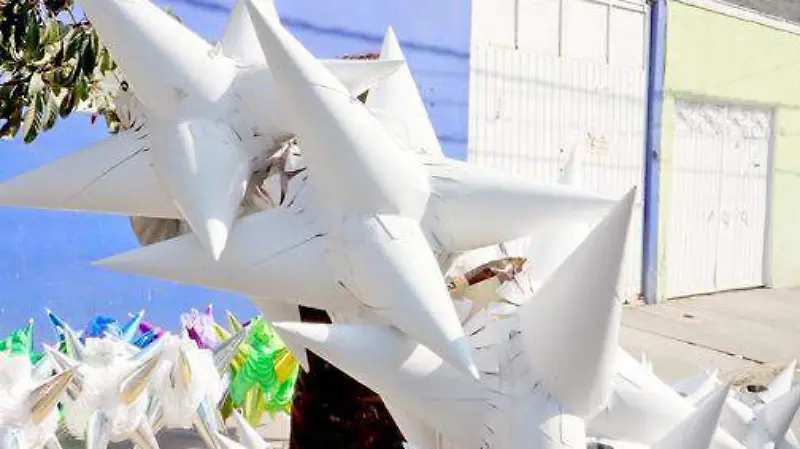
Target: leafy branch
(51, 63)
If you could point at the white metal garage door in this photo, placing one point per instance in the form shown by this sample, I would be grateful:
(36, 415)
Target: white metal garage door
(551, 77)
(717, 219)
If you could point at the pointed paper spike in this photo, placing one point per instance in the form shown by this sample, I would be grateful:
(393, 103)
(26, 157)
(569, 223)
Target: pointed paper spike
(183, 370)
(233, 322)
(356, 164)
(414, 430)
(697, 430)
(63, 363)
(406, 373)
(44, 398)
(239, 40)
(57, 323)
(113, 176)
(44, 368)
(776, 416)
(188, 76)
(76, 349)
(98, 430)
(698, 387)
(151, 350)
(472, 208)
(583, 316)
(206, 169)
(360, 75)
(398, 278)
(398, 104)
(53, 443)
(155, 414)
(131, 328)
(137, 381)
(781, 384)
(278, 311)
(224, 442)
(29, 335)
(247, 434)
(273, 263)
(225, 352)
(205, 424)
(144, 436)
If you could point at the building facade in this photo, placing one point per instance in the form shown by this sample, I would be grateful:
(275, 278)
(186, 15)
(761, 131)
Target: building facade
(730, 155)
(558, 83)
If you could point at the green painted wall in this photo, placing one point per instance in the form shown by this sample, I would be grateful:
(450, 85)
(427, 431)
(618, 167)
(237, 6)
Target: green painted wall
(716, 56)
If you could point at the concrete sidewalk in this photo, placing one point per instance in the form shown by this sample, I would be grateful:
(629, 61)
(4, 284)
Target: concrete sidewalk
(748, 335)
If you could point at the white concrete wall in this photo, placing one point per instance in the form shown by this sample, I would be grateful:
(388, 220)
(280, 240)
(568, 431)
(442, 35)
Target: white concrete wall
(549, 77)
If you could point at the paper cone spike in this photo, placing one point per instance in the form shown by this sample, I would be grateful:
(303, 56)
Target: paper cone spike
(206, 425)
(474, 208)
(113, 176)
(206, 169)
(698, 429)
(75, 348)
(408, 374)
(44, 398)
(360, 75)
(417, 433)
(399, 279)
(781, 384)
(256, 266)
(57, 323)
(53, 443)
(397, 98)
(98, 430)
(131, 328)
(355, 162)
(28, 332)
(279, 311)
(239, 40)
(247, 434)
(181, 74)
(144, 436)
(225, 352)
(224, 442)
(183, 370)
(582, 316)
(138, 380)
(776, 416)
(699, 386)
(233, 322)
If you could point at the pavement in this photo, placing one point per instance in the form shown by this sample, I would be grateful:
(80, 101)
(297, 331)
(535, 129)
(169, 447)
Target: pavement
(748, 335)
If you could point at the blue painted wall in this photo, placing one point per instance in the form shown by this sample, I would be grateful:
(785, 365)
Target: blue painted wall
(45, 256)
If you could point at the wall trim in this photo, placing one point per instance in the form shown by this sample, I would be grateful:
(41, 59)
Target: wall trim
(742, 13)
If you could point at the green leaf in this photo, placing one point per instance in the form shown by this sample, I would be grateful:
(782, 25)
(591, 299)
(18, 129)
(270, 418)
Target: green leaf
(106, 64)
(74, 41)
(32, 119)
(88, 56)
(82, 88)
(32, 47)
(52, 32)
(11, 126)
(36, 84)
(67, 104)
(50, 112)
